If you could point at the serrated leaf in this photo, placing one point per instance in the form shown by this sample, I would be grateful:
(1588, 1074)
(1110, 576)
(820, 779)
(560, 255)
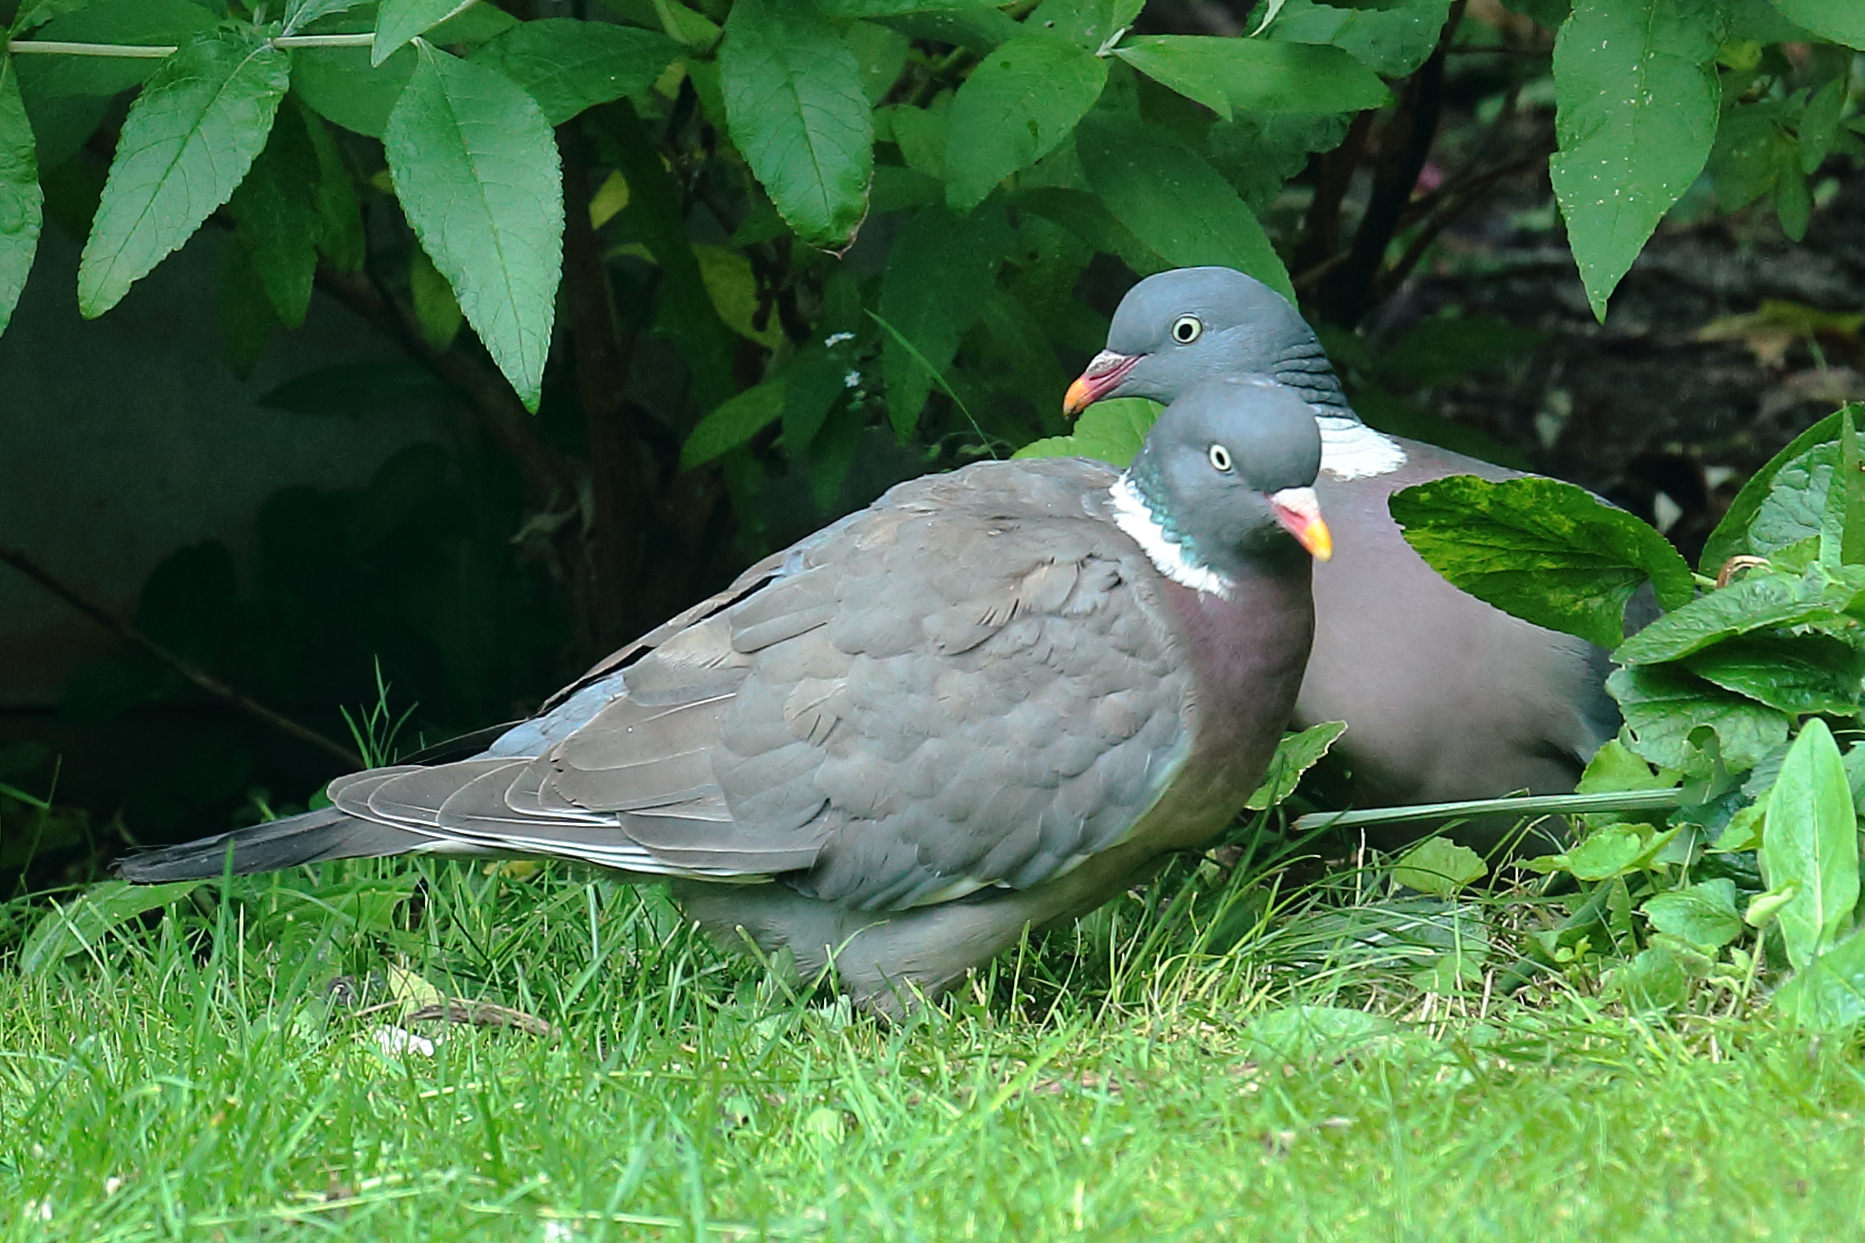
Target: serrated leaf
(22, 203)
(1810, 841)
(733, 422)
(1637, 101)
(1615, 767)
(1545, 551)
(1842, 21)
(275, 209)
(1439, 866)
(1393, 42)
(1703, 914)
(477, 172)
(1295, 754)
(1732, 536)
(186, 144)
(1173, 201)
(1664, 706)
(398, 21)
(1829, 994)
(938, 275)
(1754, 602)
(1256, 75)
(794, 105)
(1798, 675)
(342, 86)
(72, 929)
(1022, 100)
(1606, 852)
(1109, 431)
(568, 65)
(140, 22)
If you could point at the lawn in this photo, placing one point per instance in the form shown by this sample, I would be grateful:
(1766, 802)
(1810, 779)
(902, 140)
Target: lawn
(1209, 1066)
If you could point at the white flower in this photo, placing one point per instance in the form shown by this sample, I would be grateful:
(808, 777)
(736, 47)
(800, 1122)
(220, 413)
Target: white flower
(395, 1041)
(835, 339)
(852, 380)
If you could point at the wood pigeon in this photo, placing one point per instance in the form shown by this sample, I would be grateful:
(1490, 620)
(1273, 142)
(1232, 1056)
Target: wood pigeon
(1445, 697)
(989, 701)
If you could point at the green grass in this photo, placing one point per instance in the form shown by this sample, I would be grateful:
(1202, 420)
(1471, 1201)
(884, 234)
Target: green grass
(189, 1080)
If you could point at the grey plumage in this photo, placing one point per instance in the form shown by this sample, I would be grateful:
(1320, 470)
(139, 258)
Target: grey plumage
(974, 706)
(1445, 697)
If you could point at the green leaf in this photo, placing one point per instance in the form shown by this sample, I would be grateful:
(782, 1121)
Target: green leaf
(187, 142)
(435, 307)
(21, 201)
(398, 21)
(302, 13)
(1829, 994)
(1295, 754)
(1089, 24)
(339, 212)
(1637, 101)
(1664, 706)
(1615, 767)
(794, 105)
(1173, 201)
(975, 29)
(476, 169)
(1301, 1033)
(1256, 75)
(1606, 852)
(1109, 431)
(1391, 43)
(1799, 675)
(1545, 551)
(894, 8)
(568, 65)
(145, 22)
(938, 275)
(732, 423)
(1754, 602)
(1704, 914)
(1842, 527)
(1439, 866)
(1020, 102)
(68, 930)
(276, 211)
(342, 86)
(881, 53)
(1810, 841)
(1732, 536)
(1842, 21)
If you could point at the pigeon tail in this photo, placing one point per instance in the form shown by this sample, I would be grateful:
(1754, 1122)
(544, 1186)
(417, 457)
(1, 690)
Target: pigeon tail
(316, 835)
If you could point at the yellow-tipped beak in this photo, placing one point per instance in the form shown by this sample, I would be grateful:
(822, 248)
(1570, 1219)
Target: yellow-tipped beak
(1299, 513)
(1105, 372)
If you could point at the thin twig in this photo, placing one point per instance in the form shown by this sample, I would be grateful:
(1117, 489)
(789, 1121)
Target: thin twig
(156, 51)
(186, 668)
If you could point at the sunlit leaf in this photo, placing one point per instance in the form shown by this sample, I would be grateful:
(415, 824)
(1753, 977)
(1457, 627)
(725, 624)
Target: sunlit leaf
(1665, 707)
(1810, 841)
(1109, 431)
(1296, 753)
(1704, 914)
(1256, 75)
(732, 423)
(398, 21)
(1021, 100)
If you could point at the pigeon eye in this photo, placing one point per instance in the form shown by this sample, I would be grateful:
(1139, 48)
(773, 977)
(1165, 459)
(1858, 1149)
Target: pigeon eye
(1186, 329)
(1220, 458)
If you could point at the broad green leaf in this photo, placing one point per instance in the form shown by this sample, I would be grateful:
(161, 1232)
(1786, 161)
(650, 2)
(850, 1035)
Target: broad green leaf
(21, 200)
(476, 169)
(1295, 754)
(1300, 1033)
(398, 21)
(1798, 675)
(881, 53)
(1664, 706)
(72, 929)
(247, 316)
(1810, 841)
(1109, 431)
(1022, 99)
(1732, 535)
(1089, 24)
(1391, 43)
(1828, 995)
(1614, 767)
(794, 105)
(1842, 21)
(187, 142)
(1637, 99)
(340, 85)
(1842, 526)
(1703, 914)
(435, 307)
(1658, 978)
(339, 211)
(276, 211)
(1173, 201)
(1256, 75)
(568, 65)
(1439, 866)
(920, 133)
(895, 8)
(975, 29)
(138, 22)
(940, 270)
(733, 288)
(1795, 507)
(1546, 551)
(1605, 852)
(301, 13)
(813, 382)
(1756, 601)
(733, 423)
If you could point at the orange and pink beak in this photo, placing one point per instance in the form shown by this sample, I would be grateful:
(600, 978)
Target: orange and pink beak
(1298, 512)
(1104, 373)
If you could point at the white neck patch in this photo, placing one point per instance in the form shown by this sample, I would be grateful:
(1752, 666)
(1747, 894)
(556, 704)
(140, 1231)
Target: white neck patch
(1352, 450)
(1132, 516)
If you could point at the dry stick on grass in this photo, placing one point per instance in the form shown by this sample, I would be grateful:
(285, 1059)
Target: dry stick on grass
(186, 668)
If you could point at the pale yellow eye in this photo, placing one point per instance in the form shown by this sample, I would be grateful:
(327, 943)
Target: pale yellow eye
(1186, 329)
(1220, 459)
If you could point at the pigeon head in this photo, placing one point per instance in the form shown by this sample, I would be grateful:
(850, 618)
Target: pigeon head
(1180, 328)
(1226, 478)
